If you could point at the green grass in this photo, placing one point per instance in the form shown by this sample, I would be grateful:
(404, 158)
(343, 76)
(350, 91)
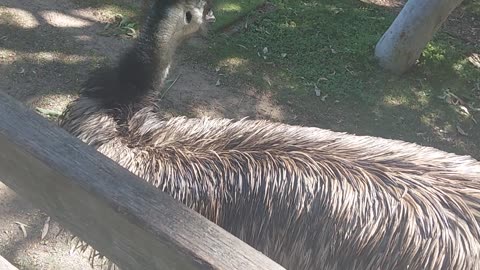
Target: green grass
(330, 44)
(472, 6)
(228, 11)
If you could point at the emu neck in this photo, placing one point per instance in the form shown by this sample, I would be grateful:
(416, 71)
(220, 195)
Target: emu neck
(157, 43)
(143, 69)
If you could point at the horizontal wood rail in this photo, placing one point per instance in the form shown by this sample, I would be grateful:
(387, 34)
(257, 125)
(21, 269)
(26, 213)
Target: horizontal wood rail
(120, 215)
(5, 265)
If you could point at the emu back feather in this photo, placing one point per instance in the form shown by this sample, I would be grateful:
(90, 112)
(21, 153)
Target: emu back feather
(306, 197)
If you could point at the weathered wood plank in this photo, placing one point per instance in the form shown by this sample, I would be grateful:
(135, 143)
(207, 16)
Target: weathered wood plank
(5, 265)
(122, 216)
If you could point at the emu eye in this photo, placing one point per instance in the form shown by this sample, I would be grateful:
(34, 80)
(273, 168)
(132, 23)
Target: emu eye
(188, 16)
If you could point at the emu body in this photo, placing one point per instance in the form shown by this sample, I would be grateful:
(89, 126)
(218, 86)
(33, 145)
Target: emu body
(306, 197)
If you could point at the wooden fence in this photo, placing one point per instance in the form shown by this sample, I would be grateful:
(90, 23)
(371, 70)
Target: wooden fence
(5, 265)
(120, 215)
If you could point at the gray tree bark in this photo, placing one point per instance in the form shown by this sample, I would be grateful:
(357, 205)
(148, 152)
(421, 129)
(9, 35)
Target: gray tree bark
(401, 46)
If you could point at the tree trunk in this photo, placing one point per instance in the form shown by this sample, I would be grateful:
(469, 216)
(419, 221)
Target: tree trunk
(414, 27)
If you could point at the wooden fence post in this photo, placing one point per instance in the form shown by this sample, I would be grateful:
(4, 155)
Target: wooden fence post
(6, 265)
(119, 214)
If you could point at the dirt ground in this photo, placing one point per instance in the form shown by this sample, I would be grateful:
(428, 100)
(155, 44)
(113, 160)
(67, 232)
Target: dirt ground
(47, 49)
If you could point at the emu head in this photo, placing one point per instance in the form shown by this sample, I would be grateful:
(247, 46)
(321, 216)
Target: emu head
(183, 18)
(197, 15)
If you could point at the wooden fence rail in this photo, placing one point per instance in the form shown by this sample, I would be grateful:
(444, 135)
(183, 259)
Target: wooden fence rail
(120, 215)
(5, 265)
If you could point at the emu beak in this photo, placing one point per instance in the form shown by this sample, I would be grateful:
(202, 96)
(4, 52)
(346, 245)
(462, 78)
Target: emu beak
(210, 17)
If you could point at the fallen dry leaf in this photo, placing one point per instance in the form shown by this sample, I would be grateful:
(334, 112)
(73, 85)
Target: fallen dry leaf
(464, 110)
(475, 59)
(242, 46)
(23, 228)
(318, 92)
(461, 131)
(451, 98)
(267, 79)
(46, 226)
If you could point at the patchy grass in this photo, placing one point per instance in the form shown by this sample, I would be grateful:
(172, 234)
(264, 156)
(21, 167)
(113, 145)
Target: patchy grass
(228, 11)
(328, 45)
(472, 6)
(324, 47)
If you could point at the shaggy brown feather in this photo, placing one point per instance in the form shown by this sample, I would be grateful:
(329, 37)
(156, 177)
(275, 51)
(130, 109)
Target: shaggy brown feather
(306, 197)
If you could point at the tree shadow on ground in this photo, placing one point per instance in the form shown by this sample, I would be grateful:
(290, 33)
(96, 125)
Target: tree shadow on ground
(54, 53)
(329, 45)
(55, 56)
(32, 252)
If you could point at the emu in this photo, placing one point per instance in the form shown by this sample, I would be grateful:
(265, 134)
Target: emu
(306, 197)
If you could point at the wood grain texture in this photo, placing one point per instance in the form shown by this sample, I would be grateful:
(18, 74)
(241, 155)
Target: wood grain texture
(116, 212)
(5, 265)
